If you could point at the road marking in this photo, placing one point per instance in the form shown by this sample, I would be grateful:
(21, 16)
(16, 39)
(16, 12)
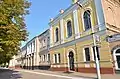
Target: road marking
(52, 75)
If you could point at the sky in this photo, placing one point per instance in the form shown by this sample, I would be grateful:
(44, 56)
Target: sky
(40, 14)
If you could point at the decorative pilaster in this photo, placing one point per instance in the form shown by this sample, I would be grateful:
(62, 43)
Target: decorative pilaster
(100, 15)
(62, 30)
(76, 25)
(51, 36)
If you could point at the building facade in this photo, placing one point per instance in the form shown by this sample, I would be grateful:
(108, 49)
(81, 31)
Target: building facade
(71, 37)
(86, 27)
(44, 40)
(17, 61)
(32, 55)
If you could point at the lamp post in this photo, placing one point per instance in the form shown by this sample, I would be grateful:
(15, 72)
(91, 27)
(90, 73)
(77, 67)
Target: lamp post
(95, 49)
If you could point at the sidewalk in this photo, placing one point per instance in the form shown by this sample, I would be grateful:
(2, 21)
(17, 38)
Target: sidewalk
(78, 74)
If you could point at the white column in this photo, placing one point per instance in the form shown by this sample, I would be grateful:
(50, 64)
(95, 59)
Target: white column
(53, 58)
(51, 36)
(31, 61)
(100, 15)
(37, 51)
(62, 30)
(28, 61)
(76, 25)
(57, 58)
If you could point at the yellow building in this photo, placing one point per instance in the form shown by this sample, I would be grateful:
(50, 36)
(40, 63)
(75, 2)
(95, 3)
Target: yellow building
(71, 37)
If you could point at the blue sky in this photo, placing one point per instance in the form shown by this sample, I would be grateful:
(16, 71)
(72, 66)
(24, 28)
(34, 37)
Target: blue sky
(40, 13)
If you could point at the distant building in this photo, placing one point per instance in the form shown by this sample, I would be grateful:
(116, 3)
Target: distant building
(32, 55)
(44, 43)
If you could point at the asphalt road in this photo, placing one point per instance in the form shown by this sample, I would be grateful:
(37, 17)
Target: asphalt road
(23, 74)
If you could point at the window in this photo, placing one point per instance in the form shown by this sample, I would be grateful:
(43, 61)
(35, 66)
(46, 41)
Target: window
(59, 58)
(69, 28)
(56, 32)
(97, 50)
(87, 20)
(40, 44)
(44, 42)
(48, 57)
(48, 40)
(44, 57)
(40, 59)
(87, 54)
(55, 57)
(118, 51)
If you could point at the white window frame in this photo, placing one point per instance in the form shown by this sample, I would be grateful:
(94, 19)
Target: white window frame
(84, 57)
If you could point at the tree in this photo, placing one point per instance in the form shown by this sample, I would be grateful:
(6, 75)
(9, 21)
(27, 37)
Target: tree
(12, 27)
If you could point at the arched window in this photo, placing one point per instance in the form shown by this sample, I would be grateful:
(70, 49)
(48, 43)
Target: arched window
(118, 51)
(56, 32)
(87, 20)
(69, 28)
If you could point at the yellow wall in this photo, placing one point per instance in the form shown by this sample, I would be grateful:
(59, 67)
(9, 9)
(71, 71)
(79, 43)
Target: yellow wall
(105, 55)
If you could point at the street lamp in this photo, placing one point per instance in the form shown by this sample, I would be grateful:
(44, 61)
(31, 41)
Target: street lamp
(95, 45)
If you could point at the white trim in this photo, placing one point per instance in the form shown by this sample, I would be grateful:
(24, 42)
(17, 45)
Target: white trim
(76, 25)
(57, 58)
(62, 30)
(53, 58)
(84, 57)
(92, 54)
(51, 36)
(99, 13)
(82, 15)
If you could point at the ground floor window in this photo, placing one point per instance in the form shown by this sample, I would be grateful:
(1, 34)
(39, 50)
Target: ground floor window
(55, 58)
(59, 58)
(44, 58)
(48, 57)
(117, 58)
(87, 54)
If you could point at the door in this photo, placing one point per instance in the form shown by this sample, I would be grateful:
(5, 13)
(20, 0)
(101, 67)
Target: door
(118, 61)
(71, 60)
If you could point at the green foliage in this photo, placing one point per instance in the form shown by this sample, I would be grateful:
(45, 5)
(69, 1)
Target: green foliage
(12, 27)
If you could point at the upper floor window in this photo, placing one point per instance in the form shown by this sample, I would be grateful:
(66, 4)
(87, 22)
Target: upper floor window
(87, 20)
(56, 33)
(44, 41)
(48, 41)
(69, 28)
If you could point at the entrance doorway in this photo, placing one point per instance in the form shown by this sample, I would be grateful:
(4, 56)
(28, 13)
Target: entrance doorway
(71, 60)
(117, 58)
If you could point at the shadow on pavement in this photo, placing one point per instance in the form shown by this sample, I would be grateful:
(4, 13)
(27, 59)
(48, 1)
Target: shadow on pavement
(9, 74)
